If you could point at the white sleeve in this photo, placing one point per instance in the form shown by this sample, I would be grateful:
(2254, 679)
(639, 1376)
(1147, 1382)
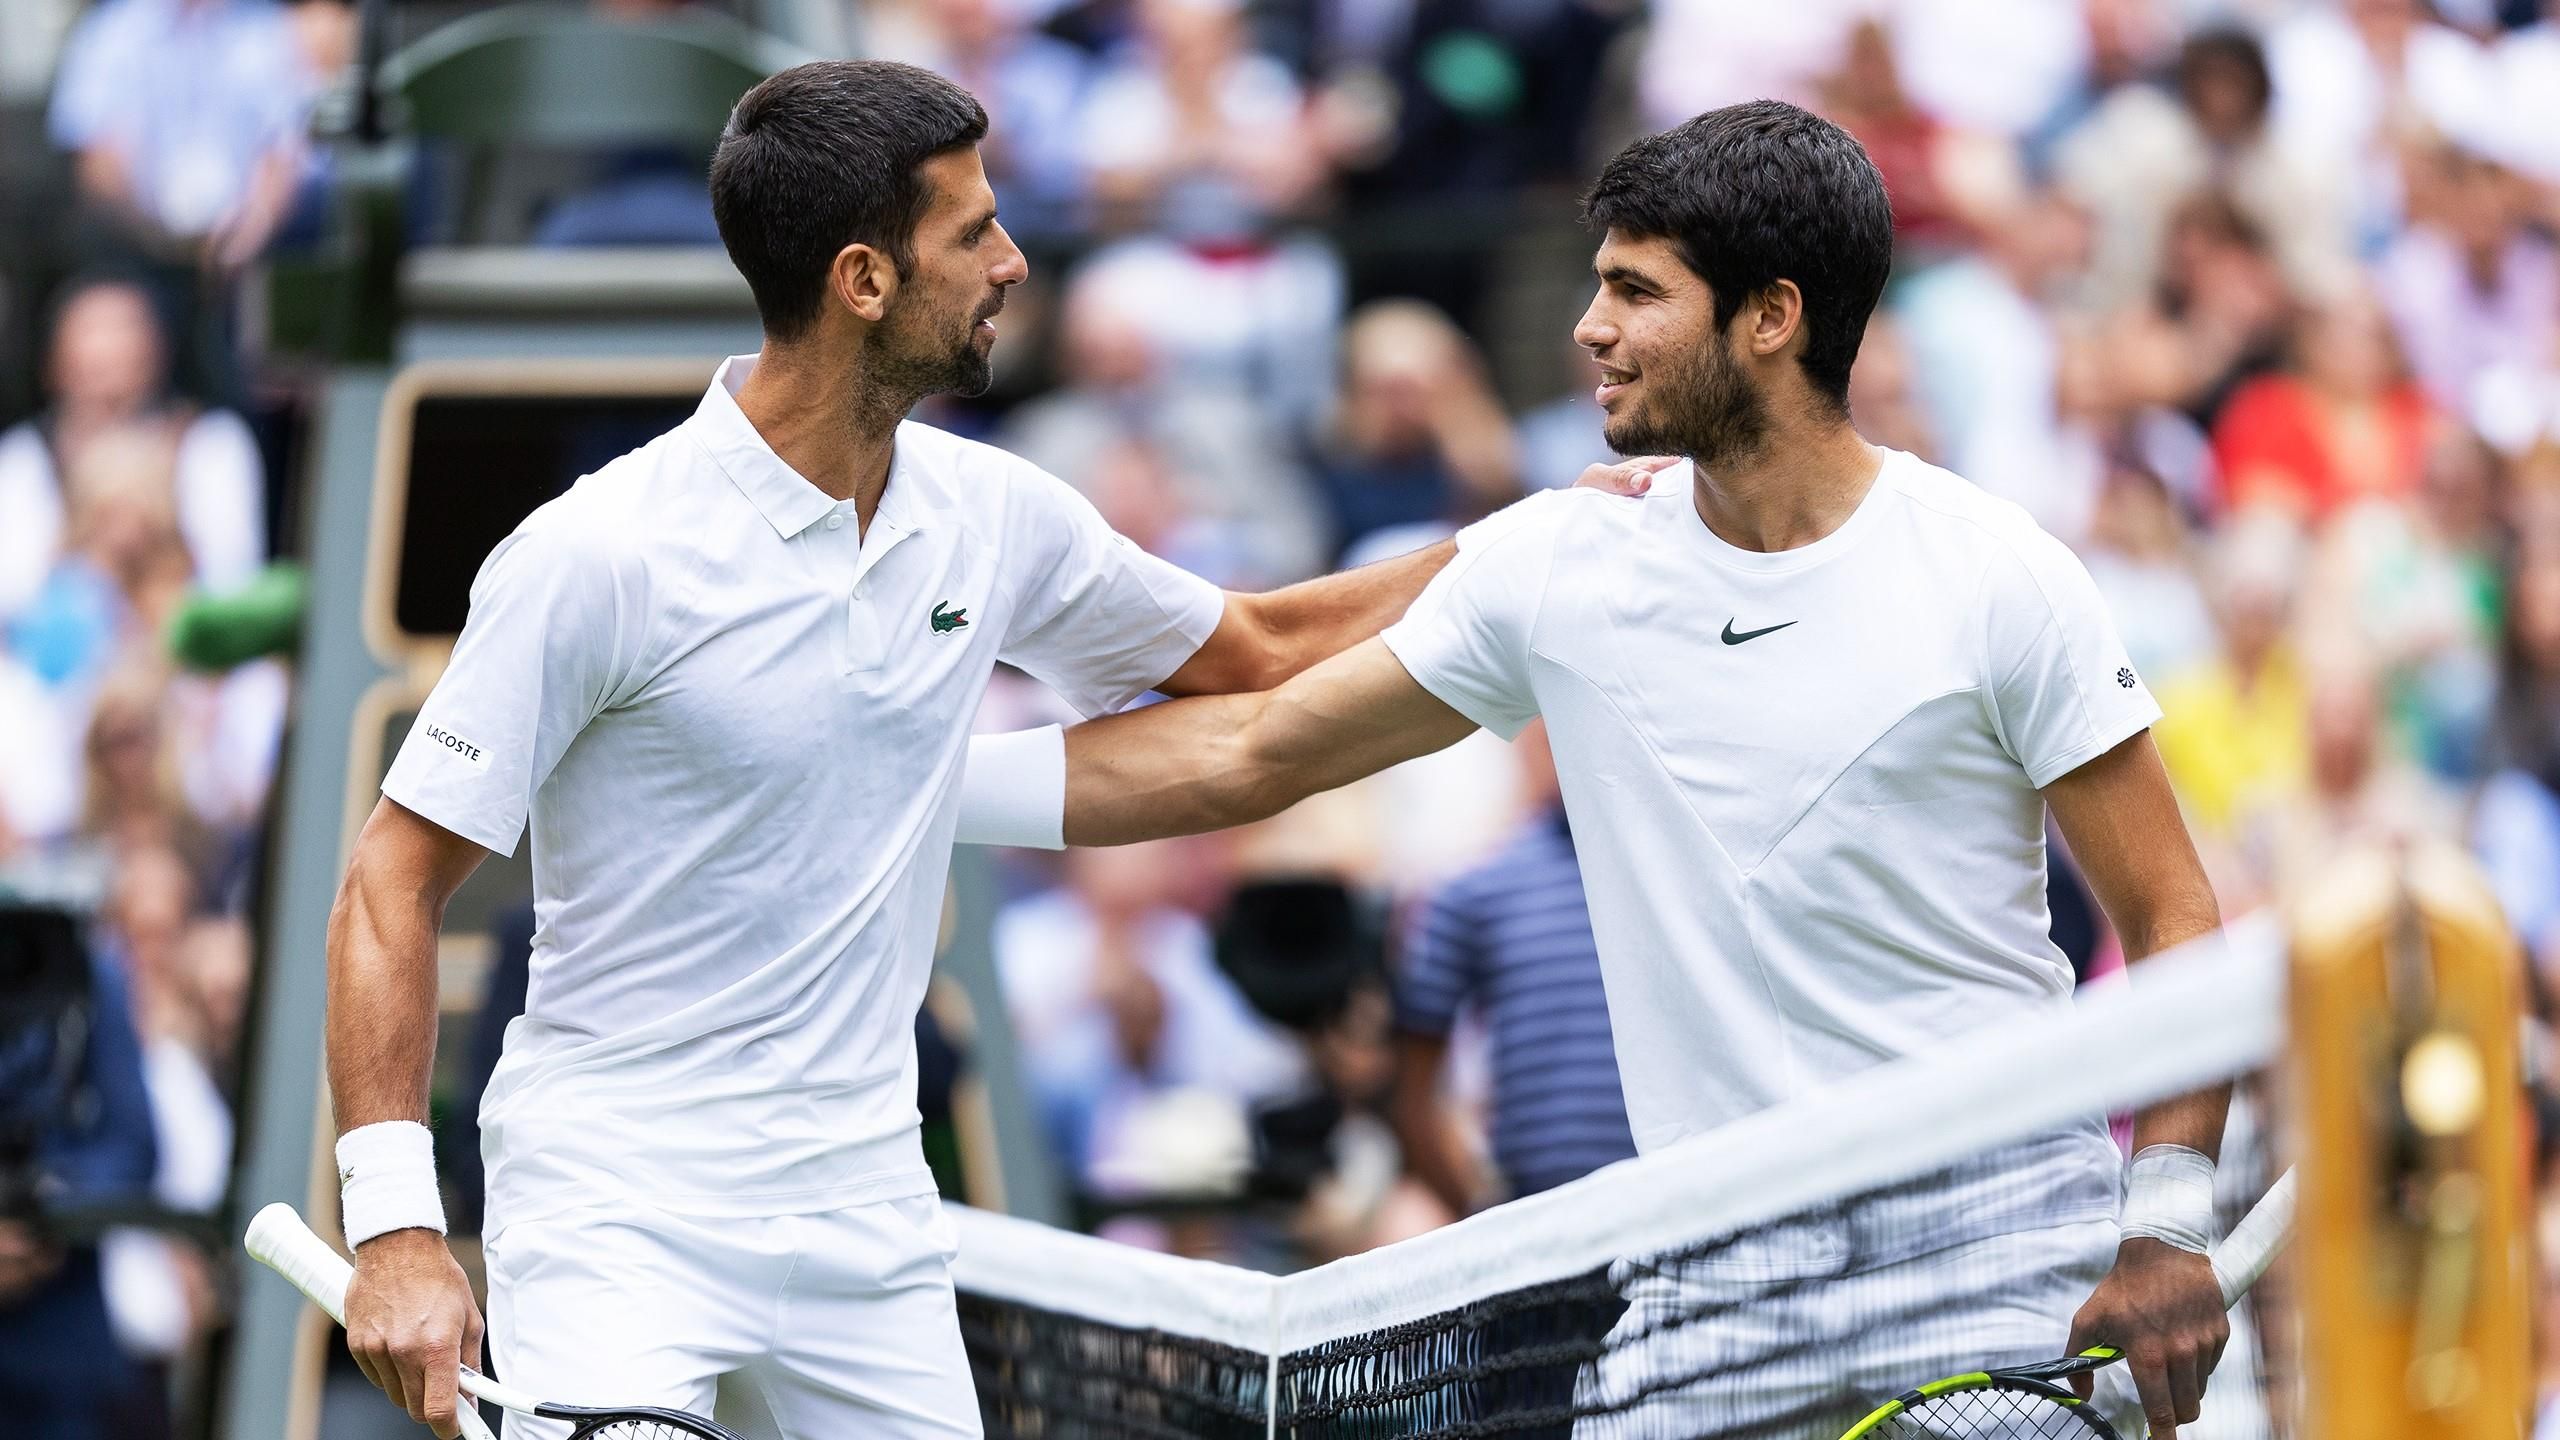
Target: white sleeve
(30, 517)
(2063, 689)
(1014, 791)
(1466, 637)
(555, 624)
(222, 501)
(1096, 619)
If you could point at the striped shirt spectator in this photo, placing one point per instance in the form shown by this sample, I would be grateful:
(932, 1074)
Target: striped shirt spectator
(1512, 938)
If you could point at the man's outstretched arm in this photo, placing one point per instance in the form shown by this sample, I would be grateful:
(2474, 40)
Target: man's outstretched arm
(1206, 763)
(1264, 639)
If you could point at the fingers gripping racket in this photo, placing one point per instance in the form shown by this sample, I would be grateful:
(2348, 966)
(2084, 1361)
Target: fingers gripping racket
(280, 1241)
(2034, 1402)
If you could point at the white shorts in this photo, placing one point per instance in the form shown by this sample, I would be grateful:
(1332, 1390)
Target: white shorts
(1791, 1348)
(802, 1327)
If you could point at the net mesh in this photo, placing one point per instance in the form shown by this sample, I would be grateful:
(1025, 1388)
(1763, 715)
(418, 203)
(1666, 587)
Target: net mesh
(1778, 1279)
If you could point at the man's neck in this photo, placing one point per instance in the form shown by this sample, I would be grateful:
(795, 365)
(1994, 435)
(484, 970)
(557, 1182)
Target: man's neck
(825, 422)
(1800, 484)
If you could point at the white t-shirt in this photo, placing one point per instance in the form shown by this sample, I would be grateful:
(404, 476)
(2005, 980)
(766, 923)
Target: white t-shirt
(1804, 784)
(737, 730)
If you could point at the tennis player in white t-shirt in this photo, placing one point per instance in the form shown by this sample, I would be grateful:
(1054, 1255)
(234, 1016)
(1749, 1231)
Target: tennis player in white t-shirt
(728, 681)
(1811, 702)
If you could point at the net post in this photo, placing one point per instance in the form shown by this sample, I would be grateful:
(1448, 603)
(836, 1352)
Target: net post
(2407, 1090)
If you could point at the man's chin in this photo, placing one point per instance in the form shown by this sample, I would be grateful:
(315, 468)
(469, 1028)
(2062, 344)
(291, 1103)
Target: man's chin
(1631, 438)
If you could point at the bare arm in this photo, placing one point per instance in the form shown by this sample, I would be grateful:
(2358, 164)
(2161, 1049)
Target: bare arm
(1206, 763)
(410, 1316)
(2160, 1304)
(1264, 639)
(1433, 1150)
(2121, 820)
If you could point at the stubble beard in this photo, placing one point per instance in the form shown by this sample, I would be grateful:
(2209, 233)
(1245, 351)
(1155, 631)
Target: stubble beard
(908, 371)
(1704, 408)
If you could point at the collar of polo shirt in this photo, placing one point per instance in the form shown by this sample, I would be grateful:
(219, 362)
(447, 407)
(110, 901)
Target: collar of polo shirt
(782, 495)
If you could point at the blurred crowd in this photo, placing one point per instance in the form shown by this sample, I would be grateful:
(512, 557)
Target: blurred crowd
(2256, 303)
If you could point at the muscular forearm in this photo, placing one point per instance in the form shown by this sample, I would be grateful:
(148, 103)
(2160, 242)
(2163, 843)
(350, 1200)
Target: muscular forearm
(2195, 1119)
(1178, 768)
(382, 997)
(1320, 618)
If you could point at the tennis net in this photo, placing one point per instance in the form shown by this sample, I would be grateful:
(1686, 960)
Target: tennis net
(1776, 1279)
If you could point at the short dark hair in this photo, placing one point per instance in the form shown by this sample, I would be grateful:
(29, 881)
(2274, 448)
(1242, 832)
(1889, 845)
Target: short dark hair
(1757, 193)
(822, 156)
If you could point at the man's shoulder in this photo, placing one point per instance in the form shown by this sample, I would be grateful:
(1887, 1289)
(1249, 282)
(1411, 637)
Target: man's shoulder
(1546, 521)
(1970, 522)
(621, 512)
(974, 479)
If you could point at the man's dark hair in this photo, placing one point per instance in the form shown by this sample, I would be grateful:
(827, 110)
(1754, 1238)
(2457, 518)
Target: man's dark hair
(822, 156)
(1757, 193)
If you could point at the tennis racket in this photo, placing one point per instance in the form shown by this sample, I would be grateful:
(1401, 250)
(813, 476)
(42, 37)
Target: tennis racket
(280, 1241)
(2034, 1402)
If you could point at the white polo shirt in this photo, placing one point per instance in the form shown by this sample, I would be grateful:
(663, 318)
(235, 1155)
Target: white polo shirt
(737, 725)
(1804, 785)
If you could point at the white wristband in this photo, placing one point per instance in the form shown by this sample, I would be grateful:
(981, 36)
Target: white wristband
(387, 1180)
(1015, 790)
(2168, 1196)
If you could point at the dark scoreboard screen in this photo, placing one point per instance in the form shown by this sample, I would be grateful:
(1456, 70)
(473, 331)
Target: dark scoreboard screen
(478, 464)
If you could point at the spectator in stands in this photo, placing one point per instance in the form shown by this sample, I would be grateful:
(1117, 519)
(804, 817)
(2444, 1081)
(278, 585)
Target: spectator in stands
(1420, 443)
(2358, 83)
(1031, 85)
(2362, 792)
(103, 599)
(186, 117)
(2234, 731)
(1919, 154)
(108, 372)
(2222, 297)
(1987, 352)
(62, 1374)
(1142, 1056)
(1191, 130)
(2470, 286)
(1196, 148)
(1232, 469)
(2146, 149)
(1510, 942)
(2137, 554)
(2340, 424)
(2416, 584)
(2515, 826)
(133, 795)
(159, 1288)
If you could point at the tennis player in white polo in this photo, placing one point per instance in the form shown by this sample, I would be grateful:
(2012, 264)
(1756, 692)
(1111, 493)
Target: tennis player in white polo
(1811, 702)
(728, 680)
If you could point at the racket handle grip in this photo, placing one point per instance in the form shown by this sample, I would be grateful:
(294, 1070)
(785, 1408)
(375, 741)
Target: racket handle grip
(280, 1241)
(2244, 1254)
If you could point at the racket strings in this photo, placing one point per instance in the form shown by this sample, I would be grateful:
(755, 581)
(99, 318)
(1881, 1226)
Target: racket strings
(636, 1429)
(1993, 1414)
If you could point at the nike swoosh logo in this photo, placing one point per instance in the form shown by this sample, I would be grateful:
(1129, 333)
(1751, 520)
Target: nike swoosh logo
(1733, 637)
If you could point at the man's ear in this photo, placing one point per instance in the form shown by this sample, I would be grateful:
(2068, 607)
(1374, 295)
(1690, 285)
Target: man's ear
(1773, 318)
(863, 280)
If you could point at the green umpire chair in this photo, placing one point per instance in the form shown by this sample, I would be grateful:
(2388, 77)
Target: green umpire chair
(530, 78)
